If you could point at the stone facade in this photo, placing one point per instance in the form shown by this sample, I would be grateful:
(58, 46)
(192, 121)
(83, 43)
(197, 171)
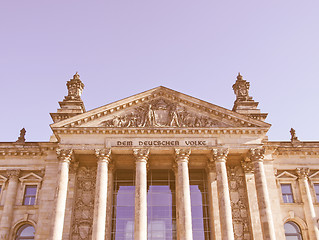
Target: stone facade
(66, 188)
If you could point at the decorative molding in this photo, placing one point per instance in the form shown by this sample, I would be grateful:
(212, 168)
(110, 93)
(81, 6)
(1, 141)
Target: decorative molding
(64, 154)
(220, 154)
(146, 131)
(13, 173)
(141, 154)
(303, 173)
(182, 154)
(286, 175)
(247, 166)
(256, 154)
(103, 154)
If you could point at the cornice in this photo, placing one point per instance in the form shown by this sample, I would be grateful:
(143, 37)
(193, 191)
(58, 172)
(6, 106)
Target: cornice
(116, 131)
(26, 149)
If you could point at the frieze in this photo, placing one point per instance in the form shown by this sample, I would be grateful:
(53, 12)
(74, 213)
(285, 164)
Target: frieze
(161, 113)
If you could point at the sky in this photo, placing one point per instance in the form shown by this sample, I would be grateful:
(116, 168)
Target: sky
(124, 47)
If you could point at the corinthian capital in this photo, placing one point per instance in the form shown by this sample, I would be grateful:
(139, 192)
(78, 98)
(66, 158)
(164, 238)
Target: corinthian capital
(303, 172)
(13, 173)
(103, 154)
(247, 166)
(141, 154)
(182, 154)
(64, 155)
(220, 154)
(256, 154)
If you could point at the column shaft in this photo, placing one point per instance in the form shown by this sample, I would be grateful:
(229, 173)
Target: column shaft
(184, 227)
(109, 206)
(140, 224)
(99, 216)
(308, 203)
(225, 211)
(265, 212)
(213, 203)
(58, 221)
(10, 200)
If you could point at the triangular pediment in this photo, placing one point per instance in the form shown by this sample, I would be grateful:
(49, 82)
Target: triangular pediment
(160, 108)
(286, 175)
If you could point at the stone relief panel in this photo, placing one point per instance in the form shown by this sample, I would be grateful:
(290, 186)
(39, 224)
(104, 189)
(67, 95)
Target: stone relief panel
(239, 202)
(84, 204)
(161, 113)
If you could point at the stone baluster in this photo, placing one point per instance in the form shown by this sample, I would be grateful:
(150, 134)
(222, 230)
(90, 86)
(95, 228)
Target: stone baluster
(309, 209)
(213, 201)
(184, 213)
(64, 156)
(252, 196)
(10, 200)
(140, 225)
(219, 156)
(257, 155)
(99, 216)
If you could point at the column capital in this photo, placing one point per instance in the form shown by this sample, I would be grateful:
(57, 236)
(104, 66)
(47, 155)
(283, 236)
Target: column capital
(182, 154)
(141, 154)
(256, 154)
(303, 173)
(247, 166)
(103, 155)
(64, 155)
(13, 173)
(220, 154)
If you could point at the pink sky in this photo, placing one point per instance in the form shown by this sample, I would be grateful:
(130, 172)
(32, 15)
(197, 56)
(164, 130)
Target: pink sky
(121, 48)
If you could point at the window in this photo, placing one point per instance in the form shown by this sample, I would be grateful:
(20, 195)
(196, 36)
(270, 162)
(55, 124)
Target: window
(199, 204)
(161, 207)
(316, 187)
(287, 195)
(25, 232)
(30, 194)
(292, 231)
(123, 205)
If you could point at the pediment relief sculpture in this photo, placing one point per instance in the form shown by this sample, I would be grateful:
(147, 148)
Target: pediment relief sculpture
(161, 113)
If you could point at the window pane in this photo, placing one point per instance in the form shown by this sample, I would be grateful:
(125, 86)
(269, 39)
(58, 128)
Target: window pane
(161, 209)
(199, 204)
(292, 231)
(287, 195)
(25, 232)
(30, 195)
(123, 205)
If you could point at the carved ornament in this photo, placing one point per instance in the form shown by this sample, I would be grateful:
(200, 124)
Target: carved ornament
(256, 154)
(182, 154)
(13, 173)
(64, 154)
(161, 113)
(220, 154)
(103, 154)
(303, 173)
(247, 166)
(141, 154)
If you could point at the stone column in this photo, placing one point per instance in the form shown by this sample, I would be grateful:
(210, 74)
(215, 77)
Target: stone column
(267, 222)
(109, 206)
(213, 202)
(64, 156)
(309, 209)
(183, 197)
(10, 200)
(140, 224)
(99, 215)
(252, 196)
(220, 156)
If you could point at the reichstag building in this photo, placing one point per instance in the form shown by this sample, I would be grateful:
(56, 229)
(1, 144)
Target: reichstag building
(159, 165)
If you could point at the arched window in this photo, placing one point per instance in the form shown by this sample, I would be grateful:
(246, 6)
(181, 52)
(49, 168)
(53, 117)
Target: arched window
(25, 232)
(292, 231)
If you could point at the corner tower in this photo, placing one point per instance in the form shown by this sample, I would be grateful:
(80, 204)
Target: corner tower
(72, 104)
(244, 104)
